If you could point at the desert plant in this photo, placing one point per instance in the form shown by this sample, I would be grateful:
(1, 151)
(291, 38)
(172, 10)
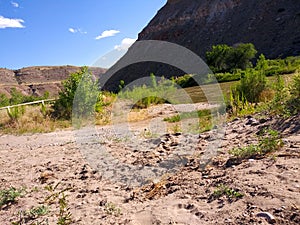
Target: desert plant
(246, 152)
(38, 211)
(33, 214)
(269, 141)
(9, 196)
(293, 104)
(225, 190)
(112, 209)
(278, 103)
(64, 216)
(237, 104)
(59, 197)
(4, 100)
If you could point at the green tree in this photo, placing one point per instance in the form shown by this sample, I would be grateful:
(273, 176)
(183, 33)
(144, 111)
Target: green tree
(240, 56)
(223, 58)
(218, 57)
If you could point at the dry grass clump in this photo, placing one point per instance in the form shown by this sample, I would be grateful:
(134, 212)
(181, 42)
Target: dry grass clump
(33, 120)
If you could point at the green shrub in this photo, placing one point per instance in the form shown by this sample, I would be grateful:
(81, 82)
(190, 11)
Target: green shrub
(225, 190)
(18, 98)
(293, 104)
(85, 88)
(112, 209)
(251, 85)
(8, 196)
(185, 81)
(278, 103)
(269, 141)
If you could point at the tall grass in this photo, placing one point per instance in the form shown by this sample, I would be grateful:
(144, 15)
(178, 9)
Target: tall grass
(32, 121)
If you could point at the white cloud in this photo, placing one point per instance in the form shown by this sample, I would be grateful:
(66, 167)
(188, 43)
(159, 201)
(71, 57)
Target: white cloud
(14, 23)
(76, 30)
(15, 4)
(107, 33)
(125, 44)
(72, 30)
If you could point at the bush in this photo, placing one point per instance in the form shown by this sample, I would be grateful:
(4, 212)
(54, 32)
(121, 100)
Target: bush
(85, 88)
(293, 104)
(251, 85)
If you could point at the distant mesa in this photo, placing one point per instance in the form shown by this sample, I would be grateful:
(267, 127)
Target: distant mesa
(39, 79)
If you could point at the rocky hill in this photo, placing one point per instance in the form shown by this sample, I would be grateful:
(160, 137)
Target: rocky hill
(38, 79)
(271, 25)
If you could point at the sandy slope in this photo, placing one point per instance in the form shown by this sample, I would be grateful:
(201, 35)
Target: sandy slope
(270, 184)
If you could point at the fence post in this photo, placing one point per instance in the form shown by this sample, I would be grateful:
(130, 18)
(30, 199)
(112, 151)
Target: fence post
(8, 111)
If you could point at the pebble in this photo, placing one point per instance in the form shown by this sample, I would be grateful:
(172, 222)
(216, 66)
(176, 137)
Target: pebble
(270, 218)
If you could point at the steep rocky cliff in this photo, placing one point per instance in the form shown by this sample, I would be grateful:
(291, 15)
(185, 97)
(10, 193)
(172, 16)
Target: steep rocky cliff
(271, 25)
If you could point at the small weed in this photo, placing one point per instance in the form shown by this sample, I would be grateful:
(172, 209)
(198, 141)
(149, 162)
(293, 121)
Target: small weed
(111, 209)
(65, 216)
(173, 119)
(269, 141)
(32, 214)
(59, 197)
(9, 196)
(38, 211)
(187, 115)
(245, 152)
(228, 192)
(175, 129)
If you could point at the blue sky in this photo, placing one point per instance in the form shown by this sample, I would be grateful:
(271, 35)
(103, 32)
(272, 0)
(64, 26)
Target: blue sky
(69, 32)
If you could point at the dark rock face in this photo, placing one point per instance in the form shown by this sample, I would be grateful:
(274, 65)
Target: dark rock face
(39, 79)
(271, 25)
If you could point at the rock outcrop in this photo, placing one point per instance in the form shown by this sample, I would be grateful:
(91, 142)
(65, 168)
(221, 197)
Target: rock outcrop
(271, 25)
